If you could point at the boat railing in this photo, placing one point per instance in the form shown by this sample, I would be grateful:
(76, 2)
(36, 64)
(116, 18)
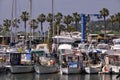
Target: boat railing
(116, 63)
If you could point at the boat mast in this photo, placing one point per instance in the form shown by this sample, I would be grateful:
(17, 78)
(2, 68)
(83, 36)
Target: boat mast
(53, 16)
(11, 36)
(31, 34)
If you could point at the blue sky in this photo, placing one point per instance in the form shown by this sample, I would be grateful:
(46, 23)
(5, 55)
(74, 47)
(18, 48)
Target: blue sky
(63, 6)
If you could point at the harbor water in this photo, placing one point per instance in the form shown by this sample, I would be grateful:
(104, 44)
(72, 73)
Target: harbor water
(34, 76)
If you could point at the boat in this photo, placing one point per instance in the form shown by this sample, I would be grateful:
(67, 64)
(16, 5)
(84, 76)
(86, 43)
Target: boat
(44, 64)
(112, 62)
(83, 47)
(67, 37)
(18, 62)
(116, 47)
(70, 61)
(103, 47)
(70, 64)
(94, 63)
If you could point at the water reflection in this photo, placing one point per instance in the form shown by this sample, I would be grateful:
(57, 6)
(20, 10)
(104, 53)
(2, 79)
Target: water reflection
(34, 76)
(28, 76)
(71, 77)
(107, 77)
(47, 77)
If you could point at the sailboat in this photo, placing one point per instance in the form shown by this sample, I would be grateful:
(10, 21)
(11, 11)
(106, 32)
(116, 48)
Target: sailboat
(18, 61)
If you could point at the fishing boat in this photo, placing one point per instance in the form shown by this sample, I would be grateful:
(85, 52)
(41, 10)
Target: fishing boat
(16, 62)
(103, 47)
(70, 61)
(44, 64)
(112, 62)
(70, 64)
(94, 62)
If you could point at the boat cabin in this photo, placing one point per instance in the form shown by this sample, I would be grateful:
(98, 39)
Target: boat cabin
(16, 58)
(70, 60)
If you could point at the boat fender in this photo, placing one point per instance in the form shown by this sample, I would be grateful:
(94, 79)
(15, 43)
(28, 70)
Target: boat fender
(52, 62)
(4, 59)
(106, 69)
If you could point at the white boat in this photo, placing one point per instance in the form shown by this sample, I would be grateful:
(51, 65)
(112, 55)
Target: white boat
(91, 69)
(18, 62)
(67, 37)
(115, 47)
(45, 69)
(70, 61)
(83, 47)
(44, 64)
(103, 47)
(70, 64)
(94, 63)
(112, 62)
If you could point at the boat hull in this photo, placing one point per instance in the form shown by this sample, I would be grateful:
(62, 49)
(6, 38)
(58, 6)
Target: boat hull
(92, 70)
(70, 70)
(44, 69)
(20, 68)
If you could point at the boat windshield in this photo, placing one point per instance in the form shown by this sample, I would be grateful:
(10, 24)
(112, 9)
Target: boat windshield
(106, 47)
(65, 51)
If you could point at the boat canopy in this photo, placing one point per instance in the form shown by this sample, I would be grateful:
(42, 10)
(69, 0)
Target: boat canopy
(65, 46)
(39, 52)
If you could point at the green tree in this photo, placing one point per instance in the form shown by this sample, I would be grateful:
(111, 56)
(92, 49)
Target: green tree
(6, 24)
(15, 24)
(76, 19)
(112, 20)
(41, 18)
(34, 25)
(1, 28)
(58, 19)
(25, 17)
(104, 13)
(67, 20)
(118, 18)
(6, 28)
(50, 20)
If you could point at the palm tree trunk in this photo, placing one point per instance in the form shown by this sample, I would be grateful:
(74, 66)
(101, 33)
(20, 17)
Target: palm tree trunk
(25, 31)
(76, 25)
(42, 31)
(119, 25)
(105, 26)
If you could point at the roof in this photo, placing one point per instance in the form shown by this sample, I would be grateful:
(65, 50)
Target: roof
(65, 46)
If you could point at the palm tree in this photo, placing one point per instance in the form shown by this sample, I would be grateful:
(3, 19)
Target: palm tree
(50, 20)
(25, 17)
(41, 18)
(76, 19)
(2, 32)
(104, 13)
(67, 20)
(1, 28)
(15, 23)
(112, 20)
(6, 25)
(118, 18)
(58, 18)
(34, 25)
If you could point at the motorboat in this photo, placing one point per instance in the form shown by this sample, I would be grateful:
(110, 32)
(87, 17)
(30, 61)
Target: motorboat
(93, 63)
(44, 64)
(112, 62)
(70, 60)
(71, 63)
(103, 47)
(16, 62)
